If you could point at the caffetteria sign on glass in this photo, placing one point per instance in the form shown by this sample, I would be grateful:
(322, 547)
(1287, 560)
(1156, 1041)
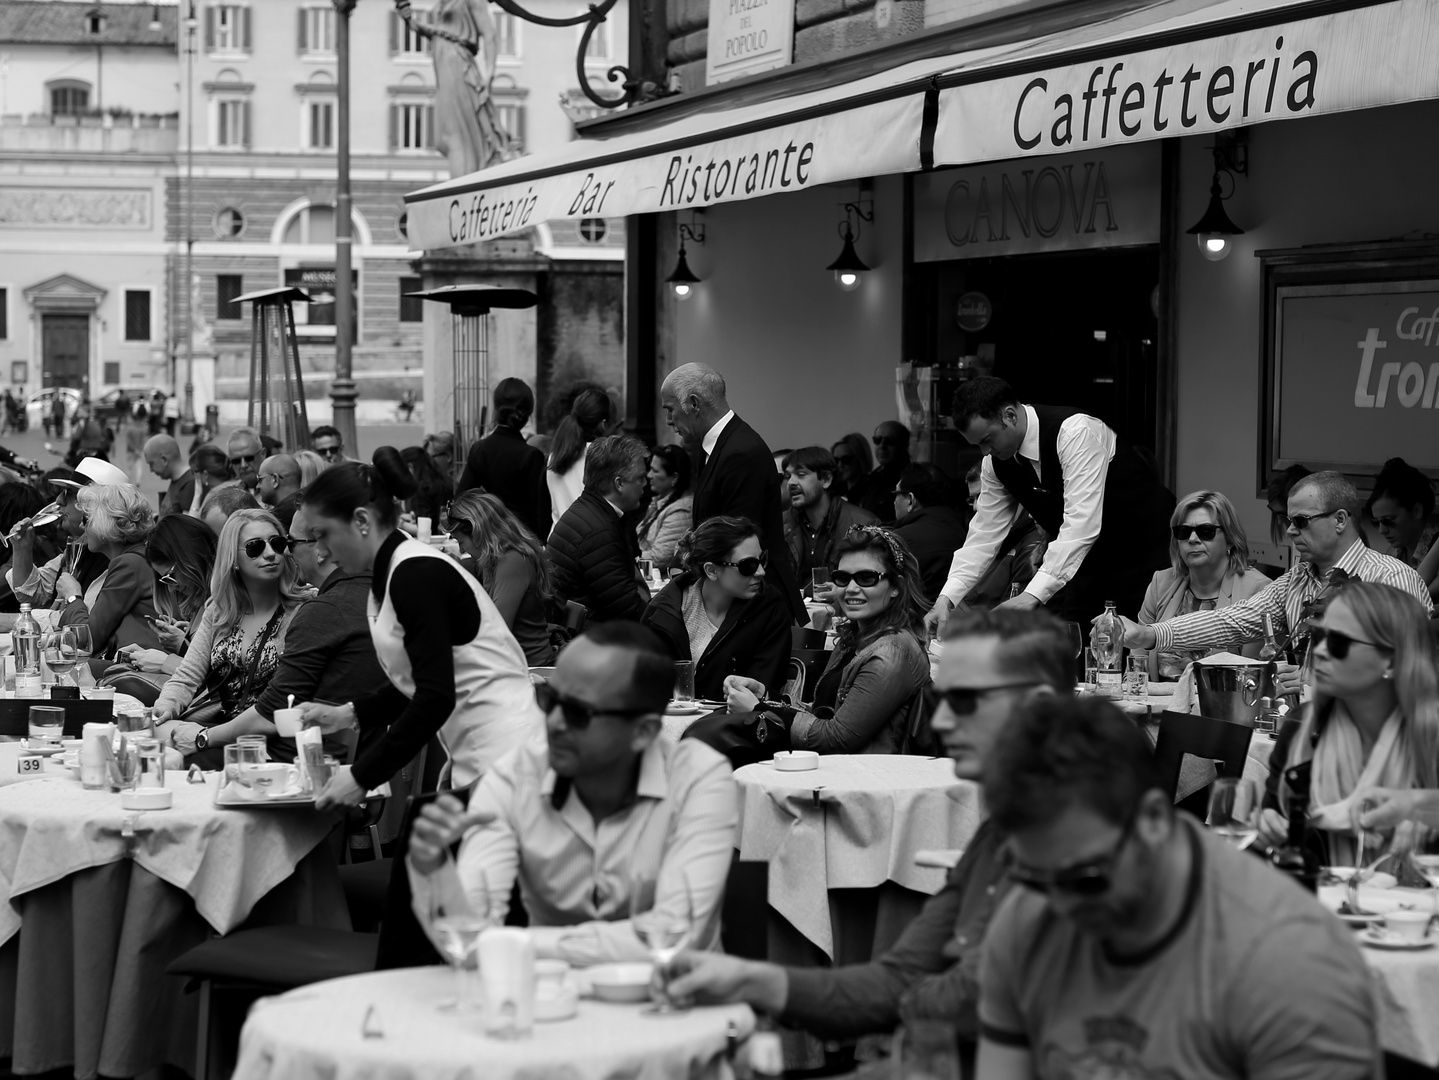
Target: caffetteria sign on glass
(1357, 373)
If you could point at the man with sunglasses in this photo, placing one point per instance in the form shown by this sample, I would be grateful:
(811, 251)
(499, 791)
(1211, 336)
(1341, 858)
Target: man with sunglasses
(278, 486)
(891, 455)
(1323, 526)
(605, 805)
(1136, 944)
(246, 452)
(330, 445)
(993, 662)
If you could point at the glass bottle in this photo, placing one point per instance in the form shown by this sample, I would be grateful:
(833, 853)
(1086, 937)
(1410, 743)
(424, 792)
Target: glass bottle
(26, 637)
(1294, 857)
(1108, 653)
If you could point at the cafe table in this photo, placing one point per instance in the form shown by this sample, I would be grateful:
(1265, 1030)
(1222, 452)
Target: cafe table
(101, 899)
(1406, 983)
(389, 1024)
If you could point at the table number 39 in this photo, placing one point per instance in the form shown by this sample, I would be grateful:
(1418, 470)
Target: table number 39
(29, 764)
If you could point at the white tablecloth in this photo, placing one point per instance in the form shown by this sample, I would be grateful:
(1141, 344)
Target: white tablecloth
(1406, 984)
(875, 812)
(51, 827)
(314, 1033)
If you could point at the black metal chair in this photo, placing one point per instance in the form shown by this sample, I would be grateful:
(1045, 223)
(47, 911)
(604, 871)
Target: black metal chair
(814, 661)
(802, 637)
(1225, 742)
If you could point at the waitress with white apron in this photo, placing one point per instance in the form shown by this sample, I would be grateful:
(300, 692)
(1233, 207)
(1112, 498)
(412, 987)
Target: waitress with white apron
(453, 665)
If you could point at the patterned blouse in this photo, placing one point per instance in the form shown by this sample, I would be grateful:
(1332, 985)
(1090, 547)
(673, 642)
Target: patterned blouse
(230, 667)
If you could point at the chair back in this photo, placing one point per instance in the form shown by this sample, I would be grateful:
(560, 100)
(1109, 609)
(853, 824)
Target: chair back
(403, 942)
(1225, 742)
(575, 616)
(814, 662)
(919, 737)
(803, 637)
(793, 682)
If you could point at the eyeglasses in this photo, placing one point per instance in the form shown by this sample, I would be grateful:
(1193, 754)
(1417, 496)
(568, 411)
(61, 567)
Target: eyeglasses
(887, 440)
(328, 451)
(963, 700)
(1339, 643)
(865, 579)
(748, 567)
(1300, 522)
(293, 542)
(1204, 532)
(168, 577)
(255, 548)
(1087, 879)
(458, 525)
(244, 459)
(577, 714)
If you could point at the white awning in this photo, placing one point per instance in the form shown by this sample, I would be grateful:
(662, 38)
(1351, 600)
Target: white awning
(1176, 67)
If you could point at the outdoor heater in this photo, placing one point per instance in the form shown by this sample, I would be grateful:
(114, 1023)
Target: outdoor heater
(277, 389)
(470, 307)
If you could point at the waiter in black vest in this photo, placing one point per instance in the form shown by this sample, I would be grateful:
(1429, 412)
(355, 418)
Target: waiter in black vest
(1105, 510)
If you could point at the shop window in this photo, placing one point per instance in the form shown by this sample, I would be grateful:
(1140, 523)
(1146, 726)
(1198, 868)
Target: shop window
(412, 308)
(227, 287)
(137, 315)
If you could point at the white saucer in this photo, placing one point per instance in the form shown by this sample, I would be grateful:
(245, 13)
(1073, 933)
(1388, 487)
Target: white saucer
(1359, 921)
(1380, 938)
(39, 751)
(682, 708)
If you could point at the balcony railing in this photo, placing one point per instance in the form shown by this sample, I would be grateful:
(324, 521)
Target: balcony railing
(90, 134)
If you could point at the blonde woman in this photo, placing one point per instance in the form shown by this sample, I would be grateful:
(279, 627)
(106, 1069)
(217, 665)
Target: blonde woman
(253, 595)
(119, 605)
(311, 466)
(1210, 569)
(1373, 721)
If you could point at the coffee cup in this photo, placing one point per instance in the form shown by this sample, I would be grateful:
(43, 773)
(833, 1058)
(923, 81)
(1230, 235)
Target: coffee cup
(289, 722)
(1407, 924)
(269, 778)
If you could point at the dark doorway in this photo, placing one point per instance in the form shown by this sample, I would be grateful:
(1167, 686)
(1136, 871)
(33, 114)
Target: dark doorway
(65, 347)
(1075, 329)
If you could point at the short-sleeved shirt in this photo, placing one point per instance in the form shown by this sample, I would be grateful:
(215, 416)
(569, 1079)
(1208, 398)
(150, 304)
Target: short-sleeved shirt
(1255, 981)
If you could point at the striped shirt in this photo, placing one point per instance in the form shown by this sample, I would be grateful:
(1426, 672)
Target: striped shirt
(1283, 601)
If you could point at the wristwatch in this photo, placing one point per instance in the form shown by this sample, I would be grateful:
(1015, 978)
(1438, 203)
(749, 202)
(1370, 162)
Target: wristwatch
(202, 740)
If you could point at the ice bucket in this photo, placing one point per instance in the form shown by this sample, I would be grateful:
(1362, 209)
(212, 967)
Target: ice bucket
(1232, 691)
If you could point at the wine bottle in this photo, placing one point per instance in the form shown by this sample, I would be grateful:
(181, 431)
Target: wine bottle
(1108, 653)
(1294, 857)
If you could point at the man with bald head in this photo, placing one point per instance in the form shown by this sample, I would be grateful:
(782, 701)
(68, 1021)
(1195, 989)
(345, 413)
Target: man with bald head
(279, 486)
(162, 455)
(734, 467)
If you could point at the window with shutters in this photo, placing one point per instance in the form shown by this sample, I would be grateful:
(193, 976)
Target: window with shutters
(68, 97)
(317, 31)
(511, 115)
(232, 124)
(227, 287)
(412, 308)
(406, 43)
(507, 34)
(227, 28)
(412, 125)
(321, 124)
(137, 314)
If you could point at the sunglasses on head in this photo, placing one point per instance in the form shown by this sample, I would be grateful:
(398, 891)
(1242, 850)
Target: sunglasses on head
(1088, 879)
(750, 566)
(963, 700)
(577, 714)
(168, 577)
(1204, 532)
(459, 525)
(865, 579)
(255, 548)
(1300, 522)
(1339, 644)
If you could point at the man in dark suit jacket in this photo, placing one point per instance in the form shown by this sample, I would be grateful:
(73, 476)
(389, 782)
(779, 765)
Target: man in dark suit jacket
(735, 467)
(506, 466)
(591, 548)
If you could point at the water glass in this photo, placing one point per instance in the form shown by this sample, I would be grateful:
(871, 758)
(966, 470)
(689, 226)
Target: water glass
(817, 577)
(47, 726)
(664, 931)
(128, 723)
(926, 1050)
(151, 758)
(1234, 811)
(252, 753)
(232, 764)
(647, 568)
(1136, 678)
(685, 680)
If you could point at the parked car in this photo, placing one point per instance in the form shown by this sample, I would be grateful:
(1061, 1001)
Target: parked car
(104, 405)
(38, 404)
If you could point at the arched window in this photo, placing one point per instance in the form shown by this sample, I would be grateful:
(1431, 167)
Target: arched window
(68, 97)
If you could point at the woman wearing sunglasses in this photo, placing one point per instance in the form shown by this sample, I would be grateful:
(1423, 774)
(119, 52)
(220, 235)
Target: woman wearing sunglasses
(1373, 721)
(722, 611)
(235, 649)
(864, 701)
(1209, 556)
(119, 605)
(512, 567)
(454, 667)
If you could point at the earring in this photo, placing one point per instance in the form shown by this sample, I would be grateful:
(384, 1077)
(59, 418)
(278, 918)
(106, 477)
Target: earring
(1389, 674)
(364, 532)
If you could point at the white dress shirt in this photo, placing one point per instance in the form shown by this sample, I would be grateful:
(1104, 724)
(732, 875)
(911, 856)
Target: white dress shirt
(707, 444)
(1085, 447)
(575, 873)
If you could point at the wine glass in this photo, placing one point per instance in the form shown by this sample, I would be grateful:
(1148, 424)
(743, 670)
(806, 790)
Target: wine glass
(60, 652)
(664, 930)
(84, 642)
(459, 937)
(1074, 634)
(1234, 811)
